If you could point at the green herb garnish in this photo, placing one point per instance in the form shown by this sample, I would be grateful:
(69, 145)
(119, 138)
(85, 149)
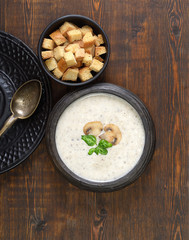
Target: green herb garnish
(101, 147)
(101, 150)
(91, 151)
(105, 144)
(89, 139)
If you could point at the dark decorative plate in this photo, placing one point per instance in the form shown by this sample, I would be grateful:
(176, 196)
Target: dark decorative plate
(18, 64)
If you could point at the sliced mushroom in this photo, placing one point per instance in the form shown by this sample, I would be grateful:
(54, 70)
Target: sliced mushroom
(93, 128)
(112, 134)
(108, 136)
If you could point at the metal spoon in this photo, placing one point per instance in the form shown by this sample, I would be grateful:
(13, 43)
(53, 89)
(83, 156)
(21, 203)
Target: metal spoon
(24, 102)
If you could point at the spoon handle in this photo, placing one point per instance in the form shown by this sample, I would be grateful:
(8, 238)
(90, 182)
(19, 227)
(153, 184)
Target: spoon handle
(8, 123)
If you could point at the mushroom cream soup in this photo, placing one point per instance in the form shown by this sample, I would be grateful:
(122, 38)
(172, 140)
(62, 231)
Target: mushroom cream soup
(121, 158)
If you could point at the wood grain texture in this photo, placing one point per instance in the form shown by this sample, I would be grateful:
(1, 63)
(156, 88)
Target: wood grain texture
(149, 56)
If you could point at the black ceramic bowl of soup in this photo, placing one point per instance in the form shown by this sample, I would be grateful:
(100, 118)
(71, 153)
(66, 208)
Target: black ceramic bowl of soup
(108, 104)
(79, 21)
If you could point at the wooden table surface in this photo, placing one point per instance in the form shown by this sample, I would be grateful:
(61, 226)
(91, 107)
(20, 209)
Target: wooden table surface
(149, 56)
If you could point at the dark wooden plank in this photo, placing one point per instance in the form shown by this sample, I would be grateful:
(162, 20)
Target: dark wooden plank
(149, 56)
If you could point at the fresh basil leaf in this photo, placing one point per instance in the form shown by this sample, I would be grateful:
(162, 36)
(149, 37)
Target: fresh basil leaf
(102, 145)
(91, 151)
(101, 150)
(105, 144)
(89, 139)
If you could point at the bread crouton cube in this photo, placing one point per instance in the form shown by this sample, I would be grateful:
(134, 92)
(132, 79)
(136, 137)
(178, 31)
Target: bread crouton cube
(71, 74)
(80, 42)
(96, 65)
(87, 60)
(67, 26)
(85, 74)
(88, 40)
(72, 47)
(62, 65)
(48, 43)
(79, 64)
(70, 59)
(58, 52)
(80, 54)
(57, 73)
(100, 50)
(74, 35)
(97, 44)
(51, 64)
(47, 54)
(58, 37)
(99, 58)
(65, 44)
(86, 29)
(90, 50)
(99, 40)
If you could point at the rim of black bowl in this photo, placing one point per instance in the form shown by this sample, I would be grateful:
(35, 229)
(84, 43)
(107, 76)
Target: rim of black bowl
(60, 21)
(148, 150)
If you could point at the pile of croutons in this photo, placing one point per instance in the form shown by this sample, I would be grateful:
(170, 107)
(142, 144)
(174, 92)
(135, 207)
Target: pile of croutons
(72, 52)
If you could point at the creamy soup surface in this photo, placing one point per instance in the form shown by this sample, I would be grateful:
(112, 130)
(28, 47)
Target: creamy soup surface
(121, 158)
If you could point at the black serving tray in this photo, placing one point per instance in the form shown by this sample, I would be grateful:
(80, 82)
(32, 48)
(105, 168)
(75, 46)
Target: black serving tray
(18, 64)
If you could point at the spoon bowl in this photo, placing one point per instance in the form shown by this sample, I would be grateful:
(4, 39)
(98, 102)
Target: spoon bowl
(24, 102)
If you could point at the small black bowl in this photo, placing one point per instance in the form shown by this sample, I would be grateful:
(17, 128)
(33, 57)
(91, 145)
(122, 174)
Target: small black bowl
(79, 21)
(149, 145)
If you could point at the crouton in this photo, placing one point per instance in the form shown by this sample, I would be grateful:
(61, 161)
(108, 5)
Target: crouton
(99, 58)
(71, 74)
(100, 50)
(81, 44)
(58, 52)
(70, 59)
(57, 73)
(65, 44)
(85, 74)
(99, 40)
(96, 65)
(87, 60)
(48, 43)
(79, 64)
(62, 65)
(47, 54)
(58, 37)
(97, 44)
(51, 64)
(72, 47)
(74, 35)
(79, 54)
(90, 50)
(67, 26)
(86, 29)
(88, 40)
